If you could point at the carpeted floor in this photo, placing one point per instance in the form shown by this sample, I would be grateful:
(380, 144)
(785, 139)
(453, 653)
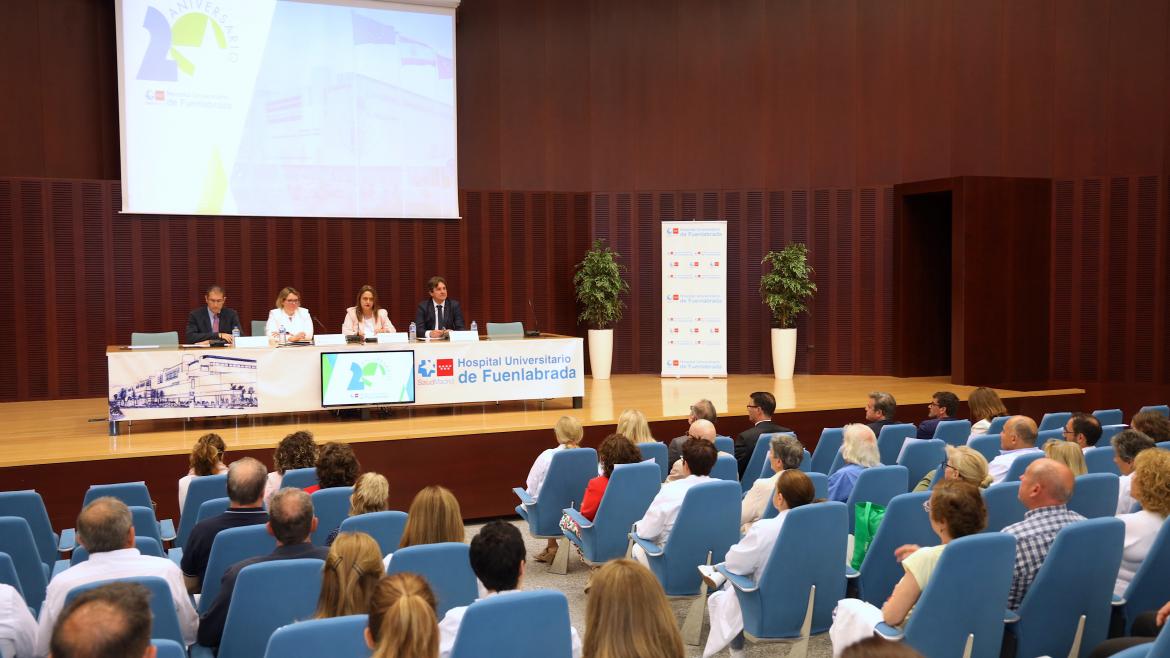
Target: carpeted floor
(573, 585)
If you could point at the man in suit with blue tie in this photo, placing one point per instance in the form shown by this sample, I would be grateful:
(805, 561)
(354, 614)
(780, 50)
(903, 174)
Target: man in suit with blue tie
(212, 323)
(438, 315)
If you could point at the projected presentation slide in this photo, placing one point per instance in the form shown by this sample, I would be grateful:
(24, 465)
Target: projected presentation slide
(349, 378)
(343, 108)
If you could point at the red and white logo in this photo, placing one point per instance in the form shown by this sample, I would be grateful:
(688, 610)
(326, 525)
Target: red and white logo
(445, 367)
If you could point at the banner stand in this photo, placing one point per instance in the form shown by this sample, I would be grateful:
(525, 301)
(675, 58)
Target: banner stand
(694, 308)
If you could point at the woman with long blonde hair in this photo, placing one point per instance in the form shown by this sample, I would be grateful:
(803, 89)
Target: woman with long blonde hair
(628, 616)
(434, 518)
(1069, 454)
(352, 569)
(403, 622)
(632, 424)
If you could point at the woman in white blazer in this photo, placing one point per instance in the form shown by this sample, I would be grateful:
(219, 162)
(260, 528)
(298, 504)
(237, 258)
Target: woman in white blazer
(291, 316)
(373, 319)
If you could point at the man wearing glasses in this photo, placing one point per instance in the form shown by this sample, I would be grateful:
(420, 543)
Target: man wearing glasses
(1083, 429)
(943, 406)
(212, 323)
(760, 409)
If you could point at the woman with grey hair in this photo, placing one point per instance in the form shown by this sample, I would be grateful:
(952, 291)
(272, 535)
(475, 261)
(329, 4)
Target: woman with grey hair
(1126, 446)
(785, 452)
(859, 452)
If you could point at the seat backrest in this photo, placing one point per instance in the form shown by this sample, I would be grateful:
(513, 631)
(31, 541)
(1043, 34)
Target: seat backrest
(169, 649)
(259, 328)
(161, 338)
(17, 541)
(1048, 435)
(628, 495)
(8, 573)
(905, 522)
(145, 525)
(201, 490)
(1100, 460)
(755, 465)
(446, 567)
(1159, 408)
(268, 595)
(213, 507)
(569, 473)
(659, 453)
(1107, 434)
(965, 595)
(838, 462)
(505, 329)
(492, 622)
(890, 441)
(299, 478)
(954, 432)
(1076, 578)
(707, 522)
(1003, 505)
(228, 547)
(726, 468)
(341, 637)
(1109, 417)
(1020, 464)
(131, 493)
(1095, 495)
(29, 506)
(330, 506)
(726, 445)
(987, 445)
(921, 457)
(1147, 590)
(1054, 421)
(145, 545)
(827, 448)
(809, 551)
(385, 527)
(877, 485)
(1165, 445)
(162, 606)
(997, 424)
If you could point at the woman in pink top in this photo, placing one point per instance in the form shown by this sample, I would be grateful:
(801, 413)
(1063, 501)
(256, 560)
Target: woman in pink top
(366, 318)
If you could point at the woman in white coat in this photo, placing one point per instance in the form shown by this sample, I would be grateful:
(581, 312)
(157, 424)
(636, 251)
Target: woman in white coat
(290, 316)
(747, 558)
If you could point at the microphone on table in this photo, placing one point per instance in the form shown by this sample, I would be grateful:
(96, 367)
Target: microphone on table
(535, 331)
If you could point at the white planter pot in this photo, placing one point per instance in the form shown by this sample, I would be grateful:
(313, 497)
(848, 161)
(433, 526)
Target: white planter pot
(783, 352)
(600, 352)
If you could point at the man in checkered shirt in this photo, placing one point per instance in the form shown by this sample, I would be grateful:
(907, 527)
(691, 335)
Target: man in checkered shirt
(1045, 488)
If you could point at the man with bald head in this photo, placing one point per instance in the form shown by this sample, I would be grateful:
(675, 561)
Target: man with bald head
(245, 489)
(701, 410)
(700, 429)
(1045, 489)
(111, 621)
(106, 529)
(1018, 439)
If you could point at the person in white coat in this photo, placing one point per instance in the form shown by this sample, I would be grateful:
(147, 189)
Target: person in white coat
(698, 459)
(748, 558)
(291, 316)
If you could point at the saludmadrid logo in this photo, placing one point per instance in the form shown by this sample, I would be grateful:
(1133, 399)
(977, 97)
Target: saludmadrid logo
(182, 32)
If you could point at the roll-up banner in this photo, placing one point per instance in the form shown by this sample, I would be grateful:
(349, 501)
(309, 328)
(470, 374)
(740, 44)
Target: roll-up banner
(694, 307)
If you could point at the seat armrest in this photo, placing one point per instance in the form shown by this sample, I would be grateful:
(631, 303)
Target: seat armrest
(652, 549)
(578, 518)
(1118, 601)
(1010, 617)
(166, 528)
(741, 583)
(884, 630)
(851, 573)
(68, 541)
(176, 555)
(525, 499)
(58, 567)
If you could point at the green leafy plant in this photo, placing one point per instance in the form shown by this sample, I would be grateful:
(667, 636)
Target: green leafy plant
(787, 285)
(599, 286)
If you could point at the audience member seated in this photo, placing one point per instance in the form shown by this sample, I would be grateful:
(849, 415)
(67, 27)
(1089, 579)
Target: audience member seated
(985, 407)
(18, 629)
(1068, 453)
(1150, 487)
(1018, 439)
(1126, 446)
(291, 522)
(1083, 429)
(297, 450)
(371, 493)
(1145, 629)
(760, 407)
(878, 647)
(793, 489)
(701, 430)
(1045, 488)
(627, 615)
(785, 452)
(245, 488)
(698, 458)
(497, 558)
(206, 459)
(352, 570)
(111, 621)
(614, 451)
(434, 518)
(956, 509)
(1152, 424)
(632, 425)
(290, 316)
(879, 411)
(366, 318)
(962, 463)
(106, 529)
(402, 621)
(858, 452)
(943, 406)
(701, 410)
(337, 466)
(568, 432)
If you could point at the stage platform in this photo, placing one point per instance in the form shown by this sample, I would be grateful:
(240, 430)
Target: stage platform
(479, 451)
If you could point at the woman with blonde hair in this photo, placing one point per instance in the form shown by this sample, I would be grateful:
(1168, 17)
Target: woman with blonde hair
(962, 463)
(632, 424)
(627, 615)
(403, 622)
(290, 316)
(985, 406)
(371, 493)
(1150, 486)
(434, 518)
(352, 569)
(859, 452)
(206, 459)
(1067, 453)
(568, 432)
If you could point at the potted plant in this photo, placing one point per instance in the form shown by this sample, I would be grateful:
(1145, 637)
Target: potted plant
(600, 285)
(785, 287)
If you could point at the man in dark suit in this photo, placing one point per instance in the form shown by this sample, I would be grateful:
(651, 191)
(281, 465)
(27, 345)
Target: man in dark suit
(760, 410)
(438, 315)
(879, 411)
(943, 406)
(212, 323)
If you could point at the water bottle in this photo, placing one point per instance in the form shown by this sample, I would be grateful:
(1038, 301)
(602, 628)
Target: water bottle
(474, 327)
(412, 333)
(235, 336)
(283, 336)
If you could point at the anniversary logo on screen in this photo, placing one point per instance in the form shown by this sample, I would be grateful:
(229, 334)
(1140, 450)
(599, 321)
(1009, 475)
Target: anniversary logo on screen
(189, 41)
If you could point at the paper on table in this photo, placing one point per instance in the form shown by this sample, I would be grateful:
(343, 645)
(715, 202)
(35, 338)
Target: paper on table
(143, 347)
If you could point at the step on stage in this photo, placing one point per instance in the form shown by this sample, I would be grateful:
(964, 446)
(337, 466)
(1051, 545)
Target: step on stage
(479, 451)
